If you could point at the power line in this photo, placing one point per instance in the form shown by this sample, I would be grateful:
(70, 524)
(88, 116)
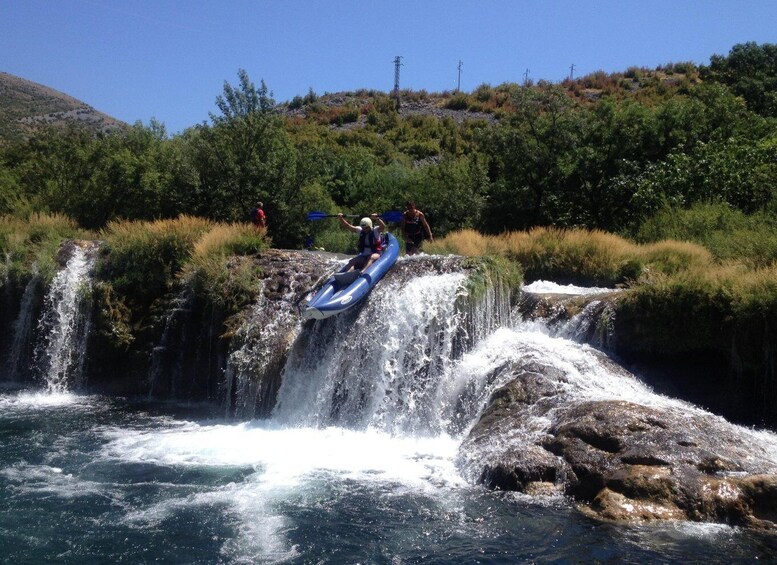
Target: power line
(571, 71)
(458, 83)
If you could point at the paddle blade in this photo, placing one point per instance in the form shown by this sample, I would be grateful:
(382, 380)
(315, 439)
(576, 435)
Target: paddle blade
(395, 216)
(319, 215)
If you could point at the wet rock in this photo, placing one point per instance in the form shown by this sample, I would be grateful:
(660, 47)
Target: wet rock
(507, 462)
(621, 460)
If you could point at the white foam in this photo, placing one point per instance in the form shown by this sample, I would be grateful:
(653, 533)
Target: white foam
(282, 457)
(548, 287)
(40, 399)
(287, 464)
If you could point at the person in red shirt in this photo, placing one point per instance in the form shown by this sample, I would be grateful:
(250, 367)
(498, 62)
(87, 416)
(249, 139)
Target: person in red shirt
(258, 216)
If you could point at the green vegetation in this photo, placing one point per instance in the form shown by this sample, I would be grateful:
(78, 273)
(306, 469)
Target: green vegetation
(491, 272)
(605, 151)
(579, 256)
(728, 233)
(680, 162)
(30, 244)
(142, 264)
(219, 269)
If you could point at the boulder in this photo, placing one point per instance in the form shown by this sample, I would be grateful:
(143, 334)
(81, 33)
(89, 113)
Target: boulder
(620, 460)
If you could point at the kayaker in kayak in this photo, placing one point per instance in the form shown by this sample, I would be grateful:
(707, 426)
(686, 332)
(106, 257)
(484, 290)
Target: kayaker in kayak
(370, 240)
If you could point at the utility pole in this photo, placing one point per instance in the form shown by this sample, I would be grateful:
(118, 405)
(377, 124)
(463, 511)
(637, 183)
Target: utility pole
(571, 71)
(458, 83)
(397, 64)
(526, 78)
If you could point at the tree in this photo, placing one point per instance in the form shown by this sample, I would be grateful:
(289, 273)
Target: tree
(244, 156)
(751, 72)
(530, 160)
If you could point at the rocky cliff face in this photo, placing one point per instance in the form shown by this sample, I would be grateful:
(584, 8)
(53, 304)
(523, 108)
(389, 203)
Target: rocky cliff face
(195, 351)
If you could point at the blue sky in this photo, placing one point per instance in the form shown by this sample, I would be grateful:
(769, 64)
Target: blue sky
(168, 59)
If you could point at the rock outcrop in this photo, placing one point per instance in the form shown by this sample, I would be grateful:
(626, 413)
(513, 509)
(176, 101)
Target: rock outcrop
(621, 460)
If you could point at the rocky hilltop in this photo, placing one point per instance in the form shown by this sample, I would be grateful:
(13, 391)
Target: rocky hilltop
(26, 106)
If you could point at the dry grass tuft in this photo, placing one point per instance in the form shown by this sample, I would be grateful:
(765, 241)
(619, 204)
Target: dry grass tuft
(468, 243)
(229, 239)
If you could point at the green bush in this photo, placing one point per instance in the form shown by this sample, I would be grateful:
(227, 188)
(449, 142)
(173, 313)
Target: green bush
(492, 271)
(458, 101)
(728, 233)
(677, 314)
(221, 268)
(141, 260)
(30, 244)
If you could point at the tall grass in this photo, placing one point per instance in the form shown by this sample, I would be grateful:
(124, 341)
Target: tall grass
(728, 234)
(582, 256)
(142, 259)
(230, 283)
(143, 264)
(34, 240)
(230, 239)
(579, 256)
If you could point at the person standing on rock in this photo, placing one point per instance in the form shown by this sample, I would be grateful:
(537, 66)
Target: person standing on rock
(258, 217)
(414, 225)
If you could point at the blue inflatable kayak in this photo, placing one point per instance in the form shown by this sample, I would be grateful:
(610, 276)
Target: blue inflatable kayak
(339, 293)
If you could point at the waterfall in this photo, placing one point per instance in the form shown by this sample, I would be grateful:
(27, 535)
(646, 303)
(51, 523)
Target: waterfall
(64, 325)
(258, 352)
(385, 366)
(549, 304)
(167, 357)
(22, 330)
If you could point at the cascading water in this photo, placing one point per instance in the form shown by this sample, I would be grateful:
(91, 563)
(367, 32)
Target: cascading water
(258, 350)
(360, 461)
(167, 365)
(22, 330)
(384, 367)
(64, 324)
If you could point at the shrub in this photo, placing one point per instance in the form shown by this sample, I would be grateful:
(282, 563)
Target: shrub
(458, 101)
(223, 240)
(578, 256)
(728, 233)
(34, 240)
(483, 93)
(570, 256)
(469, 243)
(219, 269)
(492, 271)
(296, 103)
(142, 259)
(671, 257)
(336, 241)
(676, 314)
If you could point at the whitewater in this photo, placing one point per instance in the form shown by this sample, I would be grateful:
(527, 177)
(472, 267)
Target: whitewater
(358, 462)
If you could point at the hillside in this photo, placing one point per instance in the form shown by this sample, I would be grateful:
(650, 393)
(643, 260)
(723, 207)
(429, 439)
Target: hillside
(26, 106)
(349, 110)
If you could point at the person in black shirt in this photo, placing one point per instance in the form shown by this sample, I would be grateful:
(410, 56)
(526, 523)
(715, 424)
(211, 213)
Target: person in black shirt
(414, 225)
